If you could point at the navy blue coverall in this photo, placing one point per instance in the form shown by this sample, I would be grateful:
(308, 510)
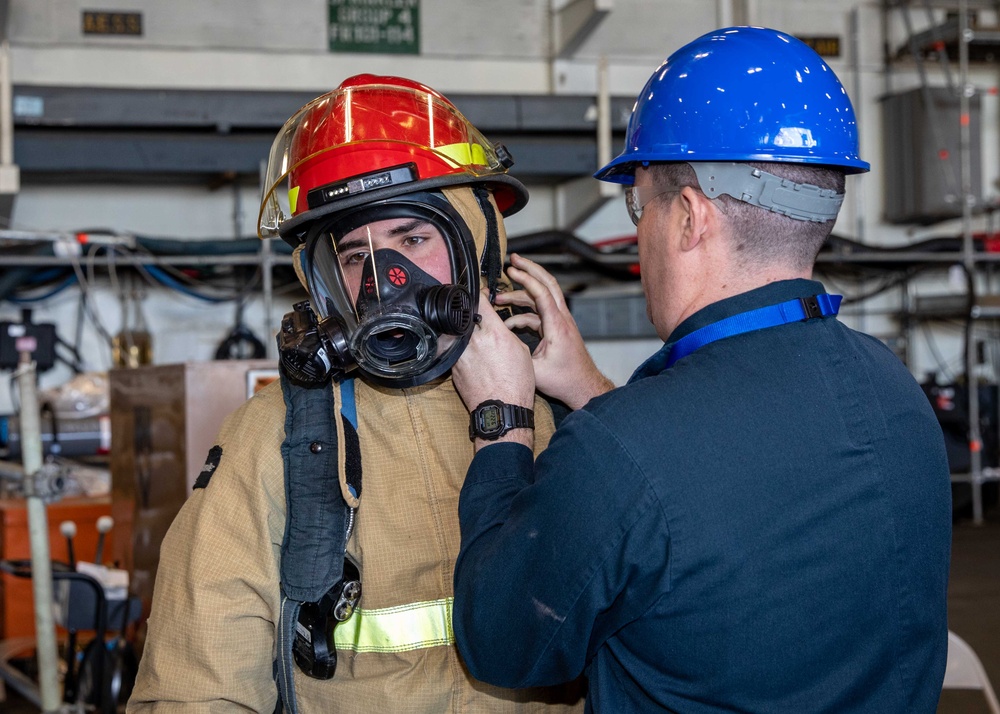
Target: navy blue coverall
(763, 527)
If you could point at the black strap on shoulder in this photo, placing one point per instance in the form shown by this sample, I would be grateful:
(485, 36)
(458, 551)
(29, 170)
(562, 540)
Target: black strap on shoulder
(317, 516)
(312, 552)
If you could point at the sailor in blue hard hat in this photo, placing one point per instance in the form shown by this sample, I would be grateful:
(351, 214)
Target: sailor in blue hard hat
(760, 520)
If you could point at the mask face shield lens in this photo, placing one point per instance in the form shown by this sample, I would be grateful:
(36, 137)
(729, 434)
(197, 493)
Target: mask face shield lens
(400, 287)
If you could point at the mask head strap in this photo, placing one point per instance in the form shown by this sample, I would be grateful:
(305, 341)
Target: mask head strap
(492, 261)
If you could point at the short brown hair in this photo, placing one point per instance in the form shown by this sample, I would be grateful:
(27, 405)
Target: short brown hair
(761, 236)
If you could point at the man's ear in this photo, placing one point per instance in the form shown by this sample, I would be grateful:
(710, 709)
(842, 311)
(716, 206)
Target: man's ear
(699, 217)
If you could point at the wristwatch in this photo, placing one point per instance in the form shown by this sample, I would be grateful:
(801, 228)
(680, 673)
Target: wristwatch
(492, 419)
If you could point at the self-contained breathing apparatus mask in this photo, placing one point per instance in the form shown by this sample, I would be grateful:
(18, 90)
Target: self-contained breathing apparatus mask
(393, 289)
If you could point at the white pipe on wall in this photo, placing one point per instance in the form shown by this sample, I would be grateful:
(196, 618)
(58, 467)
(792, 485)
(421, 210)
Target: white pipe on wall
(724, 13)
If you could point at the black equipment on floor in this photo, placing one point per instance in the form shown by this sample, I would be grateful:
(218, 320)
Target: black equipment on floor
(102, 674)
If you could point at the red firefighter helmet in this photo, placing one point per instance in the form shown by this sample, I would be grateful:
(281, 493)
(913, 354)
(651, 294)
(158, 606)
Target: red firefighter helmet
(373, 138)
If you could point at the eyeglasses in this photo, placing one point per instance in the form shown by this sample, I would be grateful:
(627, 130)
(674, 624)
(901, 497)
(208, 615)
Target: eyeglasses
(636, 198)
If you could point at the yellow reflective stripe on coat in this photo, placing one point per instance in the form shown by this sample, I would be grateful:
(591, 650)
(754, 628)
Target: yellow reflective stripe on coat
(415, 626)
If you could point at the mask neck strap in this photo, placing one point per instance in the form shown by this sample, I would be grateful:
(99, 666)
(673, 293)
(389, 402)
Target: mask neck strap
(492, 261)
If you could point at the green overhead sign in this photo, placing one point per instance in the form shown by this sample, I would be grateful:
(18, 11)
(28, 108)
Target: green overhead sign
(380, 26)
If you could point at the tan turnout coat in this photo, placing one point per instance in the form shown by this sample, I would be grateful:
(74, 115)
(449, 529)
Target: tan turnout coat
(211, 639)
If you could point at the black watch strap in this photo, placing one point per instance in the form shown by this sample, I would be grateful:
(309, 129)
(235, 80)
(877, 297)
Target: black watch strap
(493, 418)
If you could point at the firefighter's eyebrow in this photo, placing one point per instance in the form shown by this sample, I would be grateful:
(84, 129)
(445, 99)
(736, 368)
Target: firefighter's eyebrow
(351, 244)
(407, 227)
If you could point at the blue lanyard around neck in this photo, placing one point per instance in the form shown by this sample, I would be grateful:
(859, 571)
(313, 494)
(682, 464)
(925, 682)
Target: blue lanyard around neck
(796, 310)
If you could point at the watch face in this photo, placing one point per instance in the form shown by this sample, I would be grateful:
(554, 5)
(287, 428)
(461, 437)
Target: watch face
(489, 419)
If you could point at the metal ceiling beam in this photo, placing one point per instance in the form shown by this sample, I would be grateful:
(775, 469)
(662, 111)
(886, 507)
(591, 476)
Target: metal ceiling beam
(79, 132)
(103, 154)
(105, 107)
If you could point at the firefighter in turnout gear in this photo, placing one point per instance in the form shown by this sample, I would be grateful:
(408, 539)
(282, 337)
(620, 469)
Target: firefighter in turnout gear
(311, 569)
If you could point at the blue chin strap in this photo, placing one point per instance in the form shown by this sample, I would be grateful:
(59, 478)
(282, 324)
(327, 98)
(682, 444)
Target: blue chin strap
(800, 201)
(823, 305)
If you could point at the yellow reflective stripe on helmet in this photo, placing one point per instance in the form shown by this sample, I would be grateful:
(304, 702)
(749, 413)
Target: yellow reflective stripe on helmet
(464, 154)
(293, 199)
(415, 626)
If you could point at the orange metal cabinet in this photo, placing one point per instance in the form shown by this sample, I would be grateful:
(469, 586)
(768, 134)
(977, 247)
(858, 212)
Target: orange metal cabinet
(17, 611)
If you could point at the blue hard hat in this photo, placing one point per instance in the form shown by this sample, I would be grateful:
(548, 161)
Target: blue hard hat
(741, 94)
